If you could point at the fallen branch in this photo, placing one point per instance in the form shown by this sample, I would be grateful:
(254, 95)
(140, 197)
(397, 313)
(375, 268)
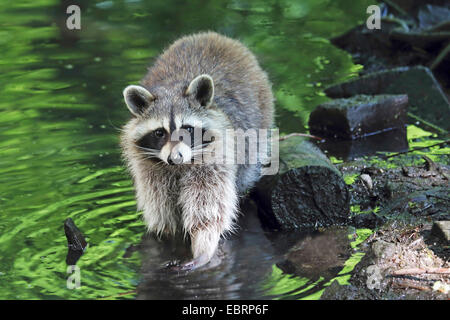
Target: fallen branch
(421, 271)
(405, 285)
(295, 134)
(415, 149)
(440, 57)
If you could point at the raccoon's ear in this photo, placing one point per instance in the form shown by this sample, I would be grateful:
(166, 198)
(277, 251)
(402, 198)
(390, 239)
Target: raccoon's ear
(202, 89)
(137, 99)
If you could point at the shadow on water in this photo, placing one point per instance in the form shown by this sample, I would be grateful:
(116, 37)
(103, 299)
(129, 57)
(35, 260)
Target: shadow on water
(389, 141)
(243, 261)
(251, 264)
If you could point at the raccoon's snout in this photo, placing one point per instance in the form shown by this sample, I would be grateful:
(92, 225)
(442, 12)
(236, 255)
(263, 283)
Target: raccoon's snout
(175, 159)
(179, 154)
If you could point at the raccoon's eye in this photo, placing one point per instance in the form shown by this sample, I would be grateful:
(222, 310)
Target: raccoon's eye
(159, 133)
(190, 129)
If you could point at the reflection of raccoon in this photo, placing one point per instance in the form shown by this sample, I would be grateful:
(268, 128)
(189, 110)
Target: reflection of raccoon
(204, 82)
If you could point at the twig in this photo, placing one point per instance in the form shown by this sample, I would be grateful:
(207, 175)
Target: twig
(421, 271)
(295, 134)
(443, 26)
(398, 21)
(405, 284)
(427, 125)
(440, 57)
(415, 149)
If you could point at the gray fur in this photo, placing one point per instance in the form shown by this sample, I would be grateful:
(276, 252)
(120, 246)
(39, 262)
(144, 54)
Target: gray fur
(199, 200)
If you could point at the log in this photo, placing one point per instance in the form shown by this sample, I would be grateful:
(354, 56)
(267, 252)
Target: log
(308, 192)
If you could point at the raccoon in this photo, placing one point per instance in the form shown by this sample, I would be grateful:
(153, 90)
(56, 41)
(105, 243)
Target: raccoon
(204, 82)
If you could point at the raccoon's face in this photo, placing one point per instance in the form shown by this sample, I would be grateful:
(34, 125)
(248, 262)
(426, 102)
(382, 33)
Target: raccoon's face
(177, 146)
(171, 132)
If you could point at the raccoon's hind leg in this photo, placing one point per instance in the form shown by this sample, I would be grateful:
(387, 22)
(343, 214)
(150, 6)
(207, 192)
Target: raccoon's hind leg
(208, 199)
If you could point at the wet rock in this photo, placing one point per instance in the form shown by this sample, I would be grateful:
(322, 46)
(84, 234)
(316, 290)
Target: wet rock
(441, 229)
(426, 98)
(308, 192)
(359, 116)
(75, 241)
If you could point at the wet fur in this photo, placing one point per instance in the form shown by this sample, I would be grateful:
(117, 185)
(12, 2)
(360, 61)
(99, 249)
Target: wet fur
(199, 200)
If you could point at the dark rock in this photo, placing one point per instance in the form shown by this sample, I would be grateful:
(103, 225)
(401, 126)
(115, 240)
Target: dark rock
(426, 99)
(308, 191)
(75, 241)
(359, 116)
(441, 229)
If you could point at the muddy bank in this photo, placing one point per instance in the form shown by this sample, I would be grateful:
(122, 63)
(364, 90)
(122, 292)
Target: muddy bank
(406, 262)
(409, 194)
(408, 255)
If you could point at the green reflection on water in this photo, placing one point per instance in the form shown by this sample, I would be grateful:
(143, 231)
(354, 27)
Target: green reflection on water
(60, 106)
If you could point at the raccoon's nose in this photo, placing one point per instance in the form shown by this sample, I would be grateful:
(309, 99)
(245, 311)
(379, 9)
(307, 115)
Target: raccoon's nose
(175, 159)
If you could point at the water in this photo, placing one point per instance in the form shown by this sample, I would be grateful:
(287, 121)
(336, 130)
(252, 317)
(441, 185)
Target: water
(60, 110)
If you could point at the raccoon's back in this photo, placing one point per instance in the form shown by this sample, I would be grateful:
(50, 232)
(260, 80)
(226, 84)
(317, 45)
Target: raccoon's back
(241, 87)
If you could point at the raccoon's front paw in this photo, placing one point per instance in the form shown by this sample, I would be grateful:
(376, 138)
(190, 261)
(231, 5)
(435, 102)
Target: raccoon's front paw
(171, 264)
(191, 265)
